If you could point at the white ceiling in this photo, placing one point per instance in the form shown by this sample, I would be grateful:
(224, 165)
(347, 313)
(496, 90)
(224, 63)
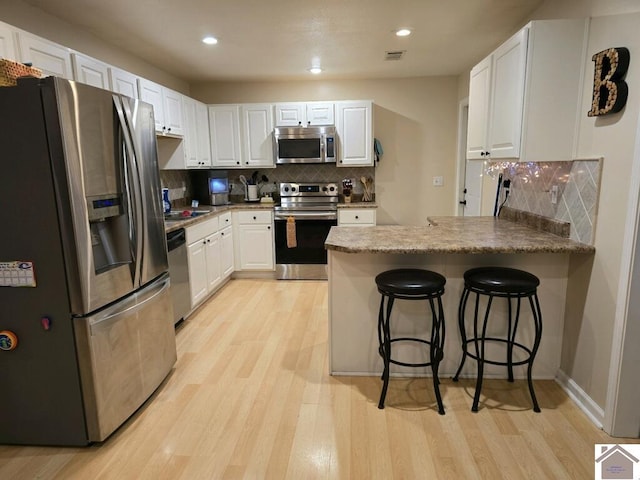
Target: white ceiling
(279, 39)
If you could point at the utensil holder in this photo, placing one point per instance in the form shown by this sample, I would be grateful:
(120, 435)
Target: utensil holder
(252, 192)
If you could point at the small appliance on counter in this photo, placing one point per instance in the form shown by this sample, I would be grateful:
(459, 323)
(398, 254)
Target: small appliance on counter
(210, 187)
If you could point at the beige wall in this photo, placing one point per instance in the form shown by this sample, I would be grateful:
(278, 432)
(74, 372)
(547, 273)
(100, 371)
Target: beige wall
(588, 351)
(589, 321)
(415, 119)
(34, 20)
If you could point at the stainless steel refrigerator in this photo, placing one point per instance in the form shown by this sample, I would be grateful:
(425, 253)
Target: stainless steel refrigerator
(86, 321)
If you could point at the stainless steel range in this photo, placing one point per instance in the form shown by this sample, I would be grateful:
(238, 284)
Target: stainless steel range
(306, 213)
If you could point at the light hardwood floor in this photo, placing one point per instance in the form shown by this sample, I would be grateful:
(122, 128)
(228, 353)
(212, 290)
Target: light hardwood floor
(250, 398)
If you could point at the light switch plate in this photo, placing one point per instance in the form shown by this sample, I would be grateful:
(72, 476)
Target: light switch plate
(438, 181)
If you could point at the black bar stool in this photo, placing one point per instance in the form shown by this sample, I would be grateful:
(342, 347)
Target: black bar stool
(506, 283)
(411, 284)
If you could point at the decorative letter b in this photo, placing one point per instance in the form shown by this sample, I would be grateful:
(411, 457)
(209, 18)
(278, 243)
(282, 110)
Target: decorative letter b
(609, 89)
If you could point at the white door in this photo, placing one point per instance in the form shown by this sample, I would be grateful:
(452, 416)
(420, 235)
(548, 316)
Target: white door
(507, 97)
(123, 82)
(479, 97)
(472, 188)
(258, 138)
(51, 58)
(226, 251)
(355, 133)
(151, 92)
(213, 261)
(173, 120)
(202, 134)
(197, 259)
(224, 129)
(320, 113)
(7, 46)
(90, 71)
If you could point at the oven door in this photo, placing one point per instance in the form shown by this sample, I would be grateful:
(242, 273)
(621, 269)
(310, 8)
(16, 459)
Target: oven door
(307, 259)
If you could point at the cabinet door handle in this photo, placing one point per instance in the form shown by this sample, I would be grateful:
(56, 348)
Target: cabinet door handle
(254, 218)
(269, 227)
(357, 217)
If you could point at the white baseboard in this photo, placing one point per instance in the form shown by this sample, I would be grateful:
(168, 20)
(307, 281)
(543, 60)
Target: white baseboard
(582, 400)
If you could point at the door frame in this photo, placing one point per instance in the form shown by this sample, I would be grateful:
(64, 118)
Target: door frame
(463, 119)
(621, 415)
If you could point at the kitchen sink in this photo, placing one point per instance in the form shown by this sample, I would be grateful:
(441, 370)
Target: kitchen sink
(176, 215)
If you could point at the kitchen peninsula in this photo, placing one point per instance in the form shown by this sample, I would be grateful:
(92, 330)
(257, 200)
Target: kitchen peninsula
(450, 246)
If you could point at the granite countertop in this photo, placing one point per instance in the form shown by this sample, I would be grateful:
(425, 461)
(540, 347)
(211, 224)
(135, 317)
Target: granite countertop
(358, 205)
(172, 225)
(452, 235)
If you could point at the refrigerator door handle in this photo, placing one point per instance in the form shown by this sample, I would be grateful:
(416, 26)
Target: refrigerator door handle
(135, 302)
(132, 178)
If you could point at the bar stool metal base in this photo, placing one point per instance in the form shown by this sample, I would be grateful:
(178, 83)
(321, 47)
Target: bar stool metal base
(524, 286)
(411, 284)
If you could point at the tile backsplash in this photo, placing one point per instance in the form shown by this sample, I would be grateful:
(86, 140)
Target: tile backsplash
(578, 186)
(180, 187)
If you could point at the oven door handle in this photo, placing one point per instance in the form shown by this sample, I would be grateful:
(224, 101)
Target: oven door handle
(307, 216)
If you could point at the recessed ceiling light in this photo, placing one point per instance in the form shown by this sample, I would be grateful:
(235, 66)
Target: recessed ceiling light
(403, 32)
(315, 70)
(209, 40)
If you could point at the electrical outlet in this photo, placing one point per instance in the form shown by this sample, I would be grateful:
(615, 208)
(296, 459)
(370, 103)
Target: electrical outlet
(438, 181)
(554, 194)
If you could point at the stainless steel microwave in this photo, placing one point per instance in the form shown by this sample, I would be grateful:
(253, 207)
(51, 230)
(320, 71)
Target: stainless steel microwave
(305, 144)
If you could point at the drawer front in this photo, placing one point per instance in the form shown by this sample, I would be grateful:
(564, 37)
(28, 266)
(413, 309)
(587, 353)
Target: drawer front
(201, 230)
(224, 220)
(351, 216)
(262, 217)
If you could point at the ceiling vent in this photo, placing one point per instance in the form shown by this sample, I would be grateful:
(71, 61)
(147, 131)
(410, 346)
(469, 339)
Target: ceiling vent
(394, 54)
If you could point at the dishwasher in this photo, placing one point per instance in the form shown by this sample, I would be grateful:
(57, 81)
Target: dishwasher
(179, 273)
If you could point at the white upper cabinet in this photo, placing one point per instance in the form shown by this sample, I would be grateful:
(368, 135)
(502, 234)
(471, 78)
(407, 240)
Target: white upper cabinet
(7, 45)
(173, 117)
(507, 95)
(196, 134)
(190, 135)
(224, 134)
(257, 135)
(479, 96)
(354, 127)
(202, 131)
(151, 92)
(90, 71)
(320, 113)
(123, 82)
(167, 107)
(304, 113)
(51, 58)
(522, 105)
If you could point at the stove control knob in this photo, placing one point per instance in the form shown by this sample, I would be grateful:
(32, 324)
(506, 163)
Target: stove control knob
(332, 188)
(324, 189)
(293, 189)
(286, 189)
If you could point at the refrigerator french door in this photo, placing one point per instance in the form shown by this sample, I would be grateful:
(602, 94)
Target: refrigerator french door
(91, 330)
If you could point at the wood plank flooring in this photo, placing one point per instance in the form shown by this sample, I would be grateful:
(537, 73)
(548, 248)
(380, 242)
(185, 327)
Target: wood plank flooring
(250, 398)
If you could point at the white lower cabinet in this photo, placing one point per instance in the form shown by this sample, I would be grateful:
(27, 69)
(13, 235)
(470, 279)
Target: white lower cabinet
(226, 251)
(254, 241)
(357, 217)
(209, 256)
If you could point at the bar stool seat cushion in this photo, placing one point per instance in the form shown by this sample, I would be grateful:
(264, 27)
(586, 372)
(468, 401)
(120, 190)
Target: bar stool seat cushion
(409, 281)
(501, 280)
